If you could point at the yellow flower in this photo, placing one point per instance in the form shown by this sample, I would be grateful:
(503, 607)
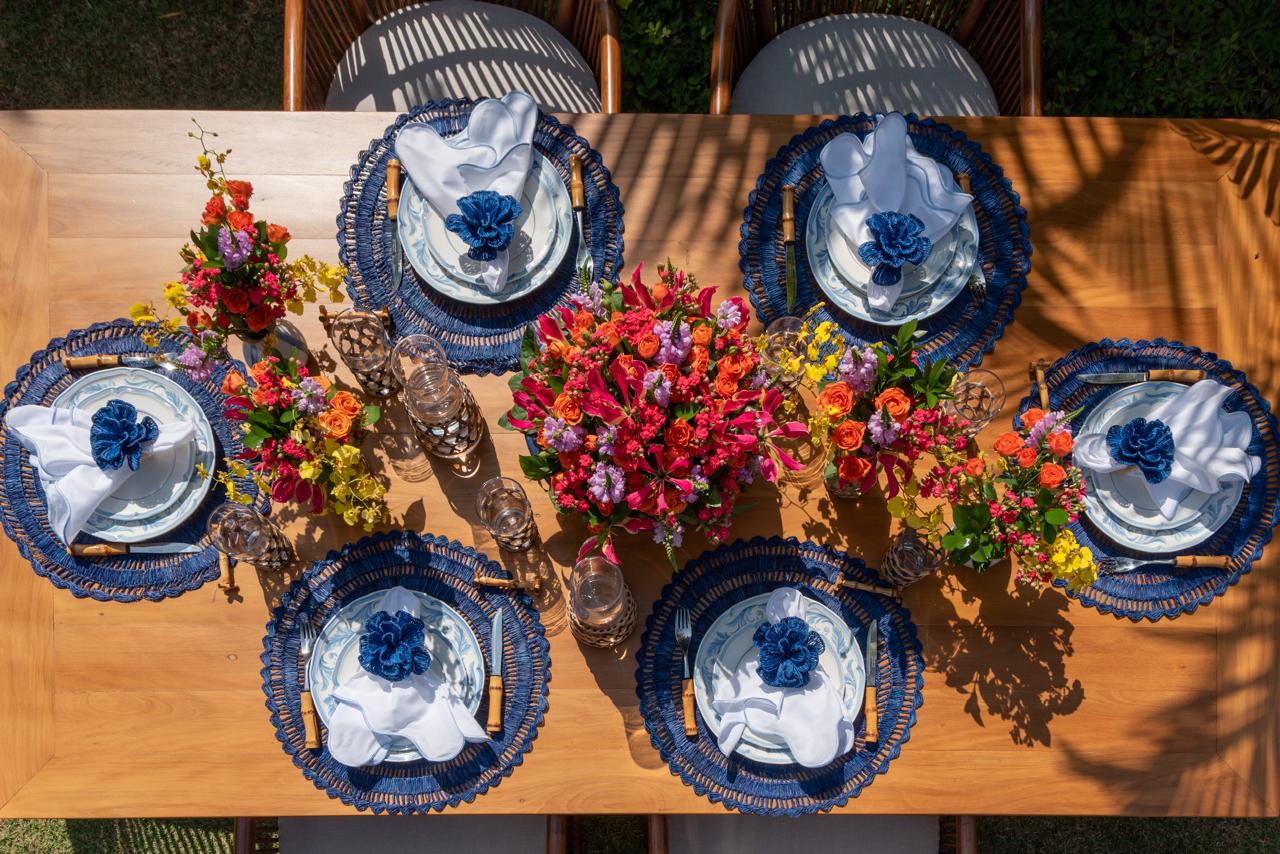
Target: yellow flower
(813, 372)
(308, 470)
(368, 488)
(1071, 561)
(203, 162)
(345, 456)
(822, 334)
(142, 312)
(351, 515)
(149, 338)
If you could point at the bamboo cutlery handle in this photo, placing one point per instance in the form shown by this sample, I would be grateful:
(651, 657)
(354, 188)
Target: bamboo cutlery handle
(1175, 375)
(1206, 561)
(494, 724)
(873, 714)
(393, 188)
(310, 726)
(788, 214)
(577, 192)
(686, 700)
(98, 550)
(1036, 370)
(83, 363)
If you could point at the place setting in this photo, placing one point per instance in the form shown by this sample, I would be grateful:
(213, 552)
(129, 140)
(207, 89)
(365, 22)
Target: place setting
(778, 677)
(110, 447)
(468, 220)
(406, 673)
(1181, 471)
(874, 222)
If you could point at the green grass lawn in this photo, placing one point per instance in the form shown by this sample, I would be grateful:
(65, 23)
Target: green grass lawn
(1141, 57)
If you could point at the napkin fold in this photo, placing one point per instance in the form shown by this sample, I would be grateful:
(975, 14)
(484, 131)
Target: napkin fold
(493, 152)
(1209, 448)
(422, 708)
(62, 451)
(814, 721)
(883, 173)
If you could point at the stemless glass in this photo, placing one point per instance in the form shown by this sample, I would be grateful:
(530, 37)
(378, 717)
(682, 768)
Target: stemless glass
(979, 396)
(505, 511)
(444, 413)
(782, 339)
(602, 611)
(910, 558)
(245, 534)
(360, 337)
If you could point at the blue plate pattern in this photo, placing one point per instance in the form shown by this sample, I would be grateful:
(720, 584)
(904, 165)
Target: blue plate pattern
(444, 570)
(711, 584)
(966, 328)
(127, 578)
(1156, 593)
(479, 339)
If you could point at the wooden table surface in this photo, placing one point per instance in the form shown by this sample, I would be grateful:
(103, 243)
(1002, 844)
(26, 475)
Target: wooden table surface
(1032, 703)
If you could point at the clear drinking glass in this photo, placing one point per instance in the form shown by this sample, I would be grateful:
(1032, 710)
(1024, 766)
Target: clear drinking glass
(601, 608)
(444, 413)
(782, 338)
(360, 337)
(979, 396)
(505, 511)
(245, 534)
(910, 558)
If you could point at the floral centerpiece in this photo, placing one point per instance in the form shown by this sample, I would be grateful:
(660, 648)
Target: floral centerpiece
(879, 406)
(647, 409)
(1017, 504)
(235, 279)
(302, 442)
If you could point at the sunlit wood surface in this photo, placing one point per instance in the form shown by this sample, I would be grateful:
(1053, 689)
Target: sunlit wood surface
(1033, 704)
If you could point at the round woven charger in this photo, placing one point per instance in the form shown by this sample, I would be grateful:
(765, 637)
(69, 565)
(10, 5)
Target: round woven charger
(126, 578)
(1167, 592)
(962, 332)
(708, 586)
(479, 339)
(446, 570)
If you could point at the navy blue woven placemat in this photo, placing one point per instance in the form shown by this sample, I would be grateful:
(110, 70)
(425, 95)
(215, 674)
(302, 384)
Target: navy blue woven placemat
(480, 339)
(708, 586)
(1155, 593)
(446, 570)
(22, 503)
(964, 331)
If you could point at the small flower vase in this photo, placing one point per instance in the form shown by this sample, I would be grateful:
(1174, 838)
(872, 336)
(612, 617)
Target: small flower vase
(910, 558)
(843, 489)
(283, 338)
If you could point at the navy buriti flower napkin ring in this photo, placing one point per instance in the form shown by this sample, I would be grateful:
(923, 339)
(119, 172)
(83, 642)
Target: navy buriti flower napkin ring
(1145, 444)
(391, 646)
(896, 239)
(789, 651)
(486, 222)
(118, 438)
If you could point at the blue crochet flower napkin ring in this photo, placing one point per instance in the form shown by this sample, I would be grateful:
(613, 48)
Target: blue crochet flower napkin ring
(896, 239)
(391, 646)
(486, 221)
(789, 651)
(118, 437)
(1145, 444)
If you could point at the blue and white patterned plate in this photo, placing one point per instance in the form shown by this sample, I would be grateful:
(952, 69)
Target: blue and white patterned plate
(1130, 518)
(455, 657)
(543, 233)
(927, 288)
(729, 640)
(166, 488)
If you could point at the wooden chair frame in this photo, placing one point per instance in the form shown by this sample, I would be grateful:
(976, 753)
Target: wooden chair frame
(318, 32)
(1003, 36)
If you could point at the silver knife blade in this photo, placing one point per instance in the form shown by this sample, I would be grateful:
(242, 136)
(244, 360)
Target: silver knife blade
(1115, 378)
(164, 548)
(495, 654)
(873, 654)
(152, 360)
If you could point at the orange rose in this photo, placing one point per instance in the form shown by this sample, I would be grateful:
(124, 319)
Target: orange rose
(678, 434)
(853, 469)
(895, 402)
(1008, 444)
(609, 334)
(648, 345)
(702, 334)
(346, 403)
(323, 381)
(567, 409)
(335, 424)
(240, 221)
(659, 291)
(259, 318)
(1032, 417)
(214, 210)
(278, 233)
(1052, 475)
(232, 383)
(671, 372)
(1060, 443)
(260, 370)
(974, 466)
(699, 360)
(836, 400)
(726, 385)
(848, 435)
(737, 364)
(1027, 457)
(240, 192)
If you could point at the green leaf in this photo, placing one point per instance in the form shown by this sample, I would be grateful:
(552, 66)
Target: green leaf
(954, 540)
(528, 347)
(687, 411)
(538, 467)
(1057, 516)
(254, 438)
(372, 414)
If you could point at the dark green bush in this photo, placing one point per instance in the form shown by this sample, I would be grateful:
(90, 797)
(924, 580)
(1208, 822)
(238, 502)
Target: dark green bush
(666, 55)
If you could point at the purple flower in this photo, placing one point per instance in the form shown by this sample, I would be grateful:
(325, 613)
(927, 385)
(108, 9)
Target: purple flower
(675, 339)
(672, 537)
(198, 364)
(1043, 427)
(858, 369)
(883, 429)
(592, 300)
(606, 437)
(310, 399)
(563, 437)
(608, 484)
(657, 382)
(234, 247)
(728, 315)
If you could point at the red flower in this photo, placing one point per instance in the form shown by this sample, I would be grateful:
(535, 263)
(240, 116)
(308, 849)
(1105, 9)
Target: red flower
(214, 210)
(260, 318)
(235, 301)
(852, 469)
(278, 233)
(1052, 475)
(240, 220)
(240, 192)
(1060, 443)
(1027, 457)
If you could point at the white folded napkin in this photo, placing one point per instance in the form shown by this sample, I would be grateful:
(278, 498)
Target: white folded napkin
(884, 172)
(424, 709)
(814, 721)
(1209, 447)
(60, 450)
(493, 152)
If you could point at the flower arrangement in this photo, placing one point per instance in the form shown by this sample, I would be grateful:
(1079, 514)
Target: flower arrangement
(235, 279)
(878, 405)
(302, 442)
(648, 409)
(1017, 504)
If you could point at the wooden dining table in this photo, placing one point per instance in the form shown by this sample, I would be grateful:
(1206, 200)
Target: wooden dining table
(1142, 228)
